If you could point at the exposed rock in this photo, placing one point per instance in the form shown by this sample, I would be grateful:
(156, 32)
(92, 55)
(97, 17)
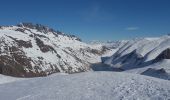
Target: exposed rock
(159, 73)
(43, 47)
(45, 29)
(38, 35)
(164, 55)
(95, 51)
(39, 27)
(73, 36)
(36, 50)
(20, 30)
(15, 63)
(22, 43)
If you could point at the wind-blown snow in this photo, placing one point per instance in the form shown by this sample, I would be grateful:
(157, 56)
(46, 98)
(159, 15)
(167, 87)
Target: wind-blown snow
(88, 86)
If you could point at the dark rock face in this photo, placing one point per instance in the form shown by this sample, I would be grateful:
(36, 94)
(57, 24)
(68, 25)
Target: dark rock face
(13, 64)
(164, 55)
(15, 61)
(159, 73)
(45, 29)
(21, 43)
(39, 27)
(95, 51)
(155, 71)
(73, 36)
(44, 48)
(20, 30)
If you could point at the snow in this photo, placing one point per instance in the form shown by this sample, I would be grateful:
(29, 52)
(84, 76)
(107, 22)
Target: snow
(157, 50)
(141, 50)
(110, 52)
(152, 38)
(68, 48)
(8, 79)
(164, 64)
(134, 84)
(88, 86)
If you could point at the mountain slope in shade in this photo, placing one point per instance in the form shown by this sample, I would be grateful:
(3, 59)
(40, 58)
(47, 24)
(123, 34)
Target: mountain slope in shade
(28, 50)
(160, 69)
(141, 52)
(146, 56)
(88, 86)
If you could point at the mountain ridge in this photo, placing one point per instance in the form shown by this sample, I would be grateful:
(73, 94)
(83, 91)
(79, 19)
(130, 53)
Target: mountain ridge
(29, 50)
(143, 53)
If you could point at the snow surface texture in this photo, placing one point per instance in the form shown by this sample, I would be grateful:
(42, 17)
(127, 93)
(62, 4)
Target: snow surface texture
(8, 79)
(42, 50)
(88, 86)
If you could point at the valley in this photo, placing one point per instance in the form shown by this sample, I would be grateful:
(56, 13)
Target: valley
(39, 63)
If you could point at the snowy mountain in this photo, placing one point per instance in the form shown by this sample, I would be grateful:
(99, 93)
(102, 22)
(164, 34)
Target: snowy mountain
(112, 47)
(143, 53)
(109, 44)
(88, 86)
(29, 50)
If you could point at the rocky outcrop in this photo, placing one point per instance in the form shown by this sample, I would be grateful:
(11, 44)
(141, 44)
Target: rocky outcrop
(38, 27)
(44, 48)
(164, 55)
(44, 29)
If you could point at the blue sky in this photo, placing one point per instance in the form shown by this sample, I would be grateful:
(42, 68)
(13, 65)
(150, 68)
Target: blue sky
(92, 19)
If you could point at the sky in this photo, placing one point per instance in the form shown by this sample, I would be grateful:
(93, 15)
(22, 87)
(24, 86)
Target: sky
(92, 19)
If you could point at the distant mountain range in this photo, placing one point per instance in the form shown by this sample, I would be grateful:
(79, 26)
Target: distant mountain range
(109, 44)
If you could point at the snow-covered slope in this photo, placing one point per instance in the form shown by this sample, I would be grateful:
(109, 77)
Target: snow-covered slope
(8, 79)
(88, 86)
(111, 46)
(146, 56)
(160, 70)
(141, 52)
(35, 50)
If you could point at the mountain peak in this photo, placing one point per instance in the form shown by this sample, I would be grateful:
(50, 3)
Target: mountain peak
(39, 27)
(44, 29)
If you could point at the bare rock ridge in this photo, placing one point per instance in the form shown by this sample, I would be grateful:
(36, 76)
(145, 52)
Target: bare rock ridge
(32, 50)
(44, 29)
